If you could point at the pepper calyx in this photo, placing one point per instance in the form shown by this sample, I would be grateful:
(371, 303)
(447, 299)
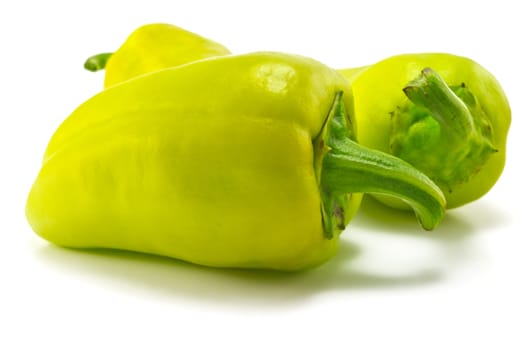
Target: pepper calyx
(442, 130)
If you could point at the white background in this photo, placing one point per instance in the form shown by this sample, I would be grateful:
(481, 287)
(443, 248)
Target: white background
(392, 286)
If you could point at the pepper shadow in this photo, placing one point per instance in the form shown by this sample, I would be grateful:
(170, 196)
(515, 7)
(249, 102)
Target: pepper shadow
(453, 236)
(458, 224)
(155, 276)
(162, 277)
(377, 217)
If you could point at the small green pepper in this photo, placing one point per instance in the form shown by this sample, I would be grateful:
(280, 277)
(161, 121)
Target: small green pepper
(254, 168)
(444, 114)
(152, 47)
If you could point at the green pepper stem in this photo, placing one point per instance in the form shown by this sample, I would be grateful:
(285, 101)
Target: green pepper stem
(348, 167)
(352, 168)
(443, 131)
(430, 92)
(97, 62)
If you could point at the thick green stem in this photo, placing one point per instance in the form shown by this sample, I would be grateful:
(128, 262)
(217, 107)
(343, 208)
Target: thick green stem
(430, 92)
(97, 62)
(348, 167)
(354, 168)
(442, 130)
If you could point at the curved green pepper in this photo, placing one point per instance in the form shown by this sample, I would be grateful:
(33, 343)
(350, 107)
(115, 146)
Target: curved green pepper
(254, 168)
(152, 47)
(444, 114)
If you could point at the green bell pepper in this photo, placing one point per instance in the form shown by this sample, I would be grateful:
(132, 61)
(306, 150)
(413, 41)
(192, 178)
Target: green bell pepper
(444, 114)
(152, 47)
(255, 168)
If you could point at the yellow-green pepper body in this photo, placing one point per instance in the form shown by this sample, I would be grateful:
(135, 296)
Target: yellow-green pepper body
(222, 172)
(380, 101)
(157, 46)
(185, 171)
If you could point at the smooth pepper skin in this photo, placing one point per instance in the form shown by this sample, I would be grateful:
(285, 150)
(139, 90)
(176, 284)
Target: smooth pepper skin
(457, 136)
(225, 172)
(152, 47)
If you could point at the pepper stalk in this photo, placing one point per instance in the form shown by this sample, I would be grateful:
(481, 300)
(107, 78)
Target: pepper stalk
(442, 130)
(347, 167)
(97, 62)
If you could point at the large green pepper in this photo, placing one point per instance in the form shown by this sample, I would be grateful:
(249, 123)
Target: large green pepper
(253, 168)
(152, 47)
(444, 114)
